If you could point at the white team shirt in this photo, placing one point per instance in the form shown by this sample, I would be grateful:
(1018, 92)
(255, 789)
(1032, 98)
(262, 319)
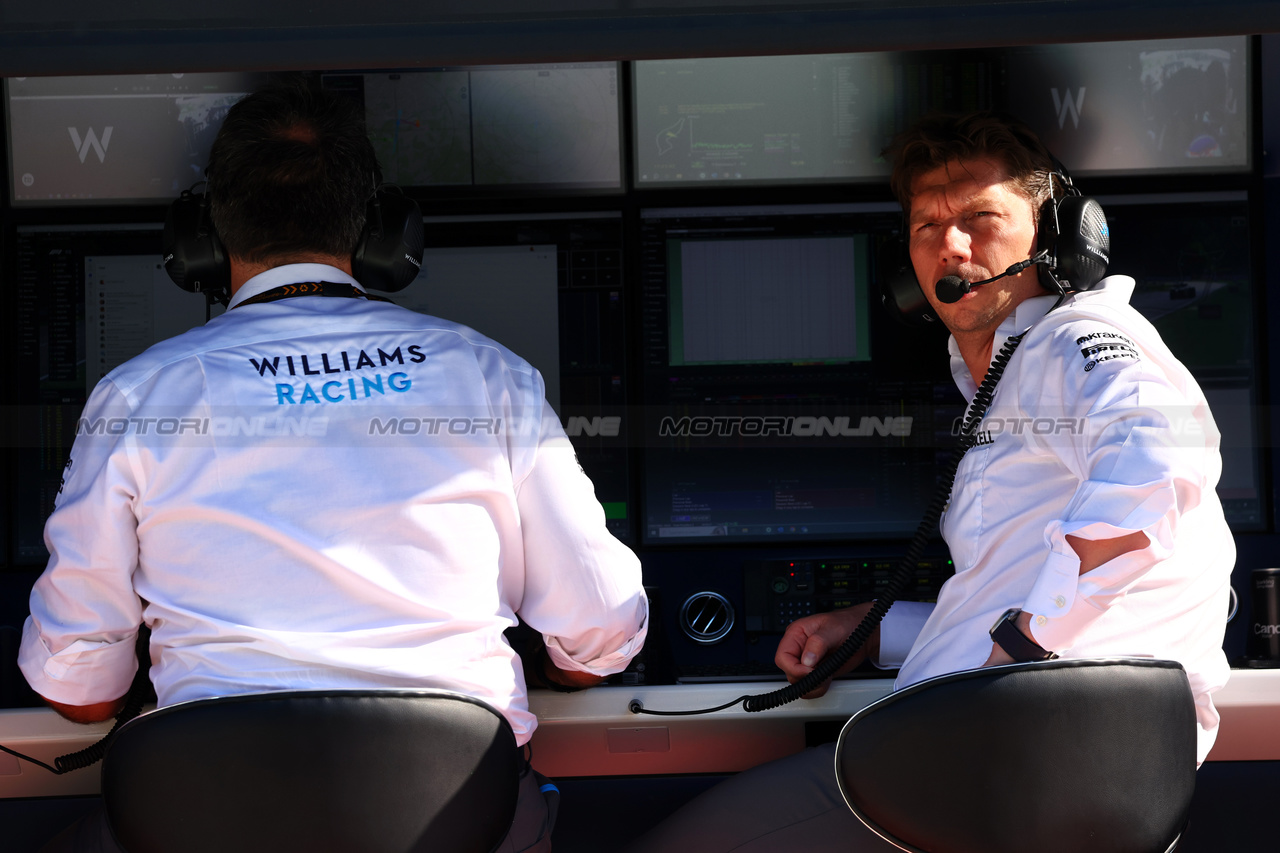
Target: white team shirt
(1096, 430)
(325, 493)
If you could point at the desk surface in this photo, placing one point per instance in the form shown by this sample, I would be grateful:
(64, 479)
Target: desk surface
(593, 734)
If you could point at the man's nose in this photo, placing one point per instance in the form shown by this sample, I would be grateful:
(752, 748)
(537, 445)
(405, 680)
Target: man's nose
(956, 244)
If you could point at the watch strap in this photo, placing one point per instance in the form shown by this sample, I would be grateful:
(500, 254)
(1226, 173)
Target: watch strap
(1017, 645)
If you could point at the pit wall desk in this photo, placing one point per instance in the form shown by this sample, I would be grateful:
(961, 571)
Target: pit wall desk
(591, 733)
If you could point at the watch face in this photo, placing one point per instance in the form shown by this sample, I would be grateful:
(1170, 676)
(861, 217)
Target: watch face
(1008, 614)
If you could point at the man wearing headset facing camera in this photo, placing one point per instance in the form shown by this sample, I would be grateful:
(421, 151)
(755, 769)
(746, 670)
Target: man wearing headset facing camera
(336, 555)
(1100, 536)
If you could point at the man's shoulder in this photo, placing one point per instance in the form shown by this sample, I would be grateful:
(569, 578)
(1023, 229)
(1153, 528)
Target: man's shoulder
(157, 356)
(1099, 334)
(1102, 313)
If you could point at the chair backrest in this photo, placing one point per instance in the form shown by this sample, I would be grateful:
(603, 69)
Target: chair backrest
(314, 771)
(1067, 755)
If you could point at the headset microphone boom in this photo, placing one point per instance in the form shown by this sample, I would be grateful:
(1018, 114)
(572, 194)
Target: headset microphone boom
(950, 288)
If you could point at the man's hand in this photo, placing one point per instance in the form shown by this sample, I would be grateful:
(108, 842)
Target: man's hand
(95, 713)
(807, 641)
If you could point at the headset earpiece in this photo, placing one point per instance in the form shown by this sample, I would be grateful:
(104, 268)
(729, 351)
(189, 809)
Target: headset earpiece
(1073, 230)
(193, 255)
(389, 254)
(904, 299)
(901, 293)
(387, 257)
(1082, 246)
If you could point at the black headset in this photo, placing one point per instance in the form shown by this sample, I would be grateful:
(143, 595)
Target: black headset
(1073, 248)
(388, 256)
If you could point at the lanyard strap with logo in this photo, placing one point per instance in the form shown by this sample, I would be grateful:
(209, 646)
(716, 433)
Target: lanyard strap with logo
(312, 288)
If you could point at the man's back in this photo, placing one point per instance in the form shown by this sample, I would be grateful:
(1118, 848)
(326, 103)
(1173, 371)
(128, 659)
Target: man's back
(340, 493)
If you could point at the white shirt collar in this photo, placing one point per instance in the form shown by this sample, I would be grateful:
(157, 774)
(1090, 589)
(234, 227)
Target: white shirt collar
(289, 274)
(1026, 315)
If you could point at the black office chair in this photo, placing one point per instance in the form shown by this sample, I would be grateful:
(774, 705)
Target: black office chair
(314, 771)
(1077, 756)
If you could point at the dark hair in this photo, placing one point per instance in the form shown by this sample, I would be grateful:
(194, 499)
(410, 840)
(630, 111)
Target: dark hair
(290, 174)
(938, 140)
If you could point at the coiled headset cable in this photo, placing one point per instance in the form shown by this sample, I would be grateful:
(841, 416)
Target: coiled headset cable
(831, 664)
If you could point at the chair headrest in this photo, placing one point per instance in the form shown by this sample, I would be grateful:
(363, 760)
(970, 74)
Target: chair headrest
(1065, 755)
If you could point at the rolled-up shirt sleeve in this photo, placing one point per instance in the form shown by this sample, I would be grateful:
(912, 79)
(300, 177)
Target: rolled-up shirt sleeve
(583, 589)
(78, 643)
(1145, 452)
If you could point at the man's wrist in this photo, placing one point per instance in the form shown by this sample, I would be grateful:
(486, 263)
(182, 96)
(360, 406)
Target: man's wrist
(1012, 633)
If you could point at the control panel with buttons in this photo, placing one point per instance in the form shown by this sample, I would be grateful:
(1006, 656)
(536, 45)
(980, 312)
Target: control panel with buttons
(778, 592)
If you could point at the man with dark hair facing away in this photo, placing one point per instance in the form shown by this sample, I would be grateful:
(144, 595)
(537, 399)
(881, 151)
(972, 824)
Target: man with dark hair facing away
(1101, 538)
(281, 539)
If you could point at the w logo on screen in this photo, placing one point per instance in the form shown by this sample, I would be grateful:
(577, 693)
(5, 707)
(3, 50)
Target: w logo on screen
(91, 141)
(1062, 104)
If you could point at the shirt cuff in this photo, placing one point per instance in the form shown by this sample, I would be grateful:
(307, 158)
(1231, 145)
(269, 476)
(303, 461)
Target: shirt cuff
(898, 631)
(83, 673)
(1055, 588)
(1058, 614)
(1060, 634)
(606, 664)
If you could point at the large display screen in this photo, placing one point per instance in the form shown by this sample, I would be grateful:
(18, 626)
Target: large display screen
(111, 139)
(1131, 107)
(1115, 107)
(785, 119)
(554, 126)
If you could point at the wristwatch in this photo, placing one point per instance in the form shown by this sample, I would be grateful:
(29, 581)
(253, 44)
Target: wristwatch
(1016, 644)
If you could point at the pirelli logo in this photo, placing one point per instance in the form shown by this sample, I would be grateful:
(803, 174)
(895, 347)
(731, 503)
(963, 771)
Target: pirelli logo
(1097, 347)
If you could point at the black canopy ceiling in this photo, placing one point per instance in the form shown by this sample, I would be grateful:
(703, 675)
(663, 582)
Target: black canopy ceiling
(139, 36)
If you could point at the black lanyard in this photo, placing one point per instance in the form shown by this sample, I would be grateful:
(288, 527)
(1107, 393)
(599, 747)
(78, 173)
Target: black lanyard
(312, 288)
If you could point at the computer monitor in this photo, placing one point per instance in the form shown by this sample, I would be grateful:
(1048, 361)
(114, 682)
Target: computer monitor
(116, 138)
(549, 287)
(553, 126)
(780, 406)
(1162, 106)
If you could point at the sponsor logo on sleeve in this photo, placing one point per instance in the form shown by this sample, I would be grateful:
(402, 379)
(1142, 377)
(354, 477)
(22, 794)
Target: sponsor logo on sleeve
(1097, 347)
